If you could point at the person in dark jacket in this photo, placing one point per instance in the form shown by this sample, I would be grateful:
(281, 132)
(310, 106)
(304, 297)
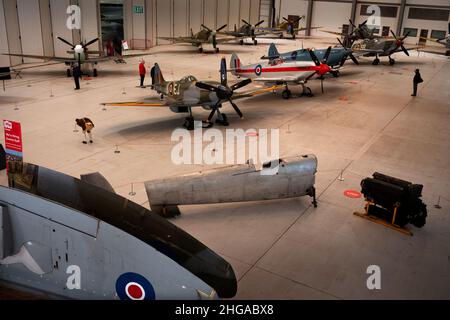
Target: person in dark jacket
(86, 125)
(142, 72)
(417, 79)
(77, 76)
(153, 74)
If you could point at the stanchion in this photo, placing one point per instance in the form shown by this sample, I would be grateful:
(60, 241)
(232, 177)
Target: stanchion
(75, 129)
(437, 205)
(16, 107)
(51, 93)
(132, 193)
(117, 149)
(341, 178)
(123, 91)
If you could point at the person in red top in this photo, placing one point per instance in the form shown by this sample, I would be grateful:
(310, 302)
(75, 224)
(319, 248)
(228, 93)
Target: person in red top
(142, 72)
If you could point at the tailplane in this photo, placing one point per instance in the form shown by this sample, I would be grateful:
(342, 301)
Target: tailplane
(235, 64)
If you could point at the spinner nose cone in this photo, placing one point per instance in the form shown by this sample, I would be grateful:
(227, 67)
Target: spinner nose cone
(224, 92)
(79, 48)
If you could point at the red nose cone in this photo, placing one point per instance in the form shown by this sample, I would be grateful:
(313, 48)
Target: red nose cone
(323, 68)
(399, 43)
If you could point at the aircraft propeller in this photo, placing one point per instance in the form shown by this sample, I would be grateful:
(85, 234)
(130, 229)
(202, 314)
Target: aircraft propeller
(400, 41)
(79, 48)
(223, 91)
(323, 67)
(213, 33)
(253, 27)
(349, 53)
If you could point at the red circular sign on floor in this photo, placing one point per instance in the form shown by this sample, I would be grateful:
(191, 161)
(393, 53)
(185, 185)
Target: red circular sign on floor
(352, 194)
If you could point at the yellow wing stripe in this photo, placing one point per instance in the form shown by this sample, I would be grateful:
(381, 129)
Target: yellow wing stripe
(133, 104)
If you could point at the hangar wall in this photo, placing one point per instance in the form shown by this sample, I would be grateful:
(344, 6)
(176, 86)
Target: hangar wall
(22, 21)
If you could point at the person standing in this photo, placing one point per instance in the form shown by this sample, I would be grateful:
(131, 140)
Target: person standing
(77, 76)
(153, 74)
(86, 125)
(417, 79)
(142, 72)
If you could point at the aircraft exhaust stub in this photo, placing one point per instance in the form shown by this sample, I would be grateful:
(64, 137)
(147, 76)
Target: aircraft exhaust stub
(385, 194)
(295, 177)
(130, 252)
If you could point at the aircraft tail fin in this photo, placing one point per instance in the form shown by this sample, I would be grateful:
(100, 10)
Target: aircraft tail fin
(273, 51)
(235, 64)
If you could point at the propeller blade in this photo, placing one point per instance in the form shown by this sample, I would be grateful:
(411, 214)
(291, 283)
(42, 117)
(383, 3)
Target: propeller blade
(363, 24)
(297, 20)
(404, 50)
(285, 19)
(351, 22)
(406, 35)
(224, 26)
(205, 27)
(395, 37)
(90, 42)
(205, 86)
(246, 22)
(211, 115)
(262, 21)
(223, 72)
(355, 61)
(240, 84)
(327, 55)
(66, 42)
(235, 107)
(321, 83)
(340, 42)
(314, 57)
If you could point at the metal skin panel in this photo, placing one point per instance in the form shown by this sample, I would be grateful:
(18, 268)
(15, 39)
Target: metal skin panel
(295, 177)
(101, 259)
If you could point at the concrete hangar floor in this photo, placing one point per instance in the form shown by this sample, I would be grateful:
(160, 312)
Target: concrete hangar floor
(366, 121)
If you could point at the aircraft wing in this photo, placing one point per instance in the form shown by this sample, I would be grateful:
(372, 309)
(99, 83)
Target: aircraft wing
(182, 39)
(59, 59)
(255, 92)
(334, 32)
(145, 103)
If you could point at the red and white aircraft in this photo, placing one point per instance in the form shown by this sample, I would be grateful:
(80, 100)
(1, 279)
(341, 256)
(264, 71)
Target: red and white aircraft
(279, 71)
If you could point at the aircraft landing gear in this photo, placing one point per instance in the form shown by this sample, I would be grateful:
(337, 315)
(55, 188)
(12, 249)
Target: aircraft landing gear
(335, 73)
(241, 42)
(95, 73)
(200, 49)
(286, 94)
(69, 73)
(391, 61)
(222, 119)
(189, 121)
(293, 36)
(307, 92)
(376, 61)
(216, 50)
(255, 42)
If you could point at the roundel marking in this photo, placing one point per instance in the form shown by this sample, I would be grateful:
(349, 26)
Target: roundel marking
(258, 70)
(294, 55)
(133, 286)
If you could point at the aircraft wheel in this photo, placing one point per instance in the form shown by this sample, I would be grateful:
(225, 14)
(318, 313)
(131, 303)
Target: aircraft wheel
(286, 94)
(255, 42)
(241, 42)
(293, 36)
(376, 62)
(217, 50)
(224, 122)
(281, 36)
(189, 123)
(200, 49)
(69, 74)
(391, 61)
(95, 73)
(307, 92)
(335, 73)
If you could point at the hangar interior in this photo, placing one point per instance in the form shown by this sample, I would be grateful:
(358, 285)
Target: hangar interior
(364, 121)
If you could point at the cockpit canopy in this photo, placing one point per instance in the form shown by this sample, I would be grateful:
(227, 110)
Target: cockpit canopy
(188, 79)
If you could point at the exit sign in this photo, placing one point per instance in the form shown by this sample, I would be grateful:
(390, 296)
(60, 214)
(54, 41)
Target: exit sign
(138, 9)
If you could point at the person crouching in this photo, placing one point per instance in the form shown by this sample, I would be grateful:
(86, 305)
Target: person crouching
(86, 125)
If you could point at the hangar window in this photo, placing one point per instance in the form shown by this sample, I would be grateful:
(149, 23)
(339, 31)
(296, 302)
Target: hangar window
(437, 34)
(412, 32)
(428, 14)
(386, 11)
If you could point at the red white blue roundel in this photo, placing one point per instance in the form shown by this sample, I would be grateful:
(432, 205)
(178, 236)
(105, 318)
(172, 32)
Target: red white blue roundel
(133, 286)
(258, 70)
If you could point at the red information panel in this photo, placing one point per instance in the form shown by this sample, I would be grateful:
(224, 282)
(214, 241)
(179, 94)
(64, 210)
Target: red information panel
(13, 140)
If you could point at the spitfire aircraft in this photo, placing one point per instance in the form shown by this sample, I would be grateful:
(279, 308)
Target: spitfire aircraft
(336, 60)
(362, 31)
(288, 26)
(246, 31)
(188, 92)
(444, 41)
(280, 72)
(205, 35)
(80, 56)
(381, 47)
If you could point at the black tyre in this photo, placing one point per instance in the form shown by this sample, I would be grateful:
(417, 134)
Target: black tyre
(286, 94)
(69, 74)
(95, 73)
